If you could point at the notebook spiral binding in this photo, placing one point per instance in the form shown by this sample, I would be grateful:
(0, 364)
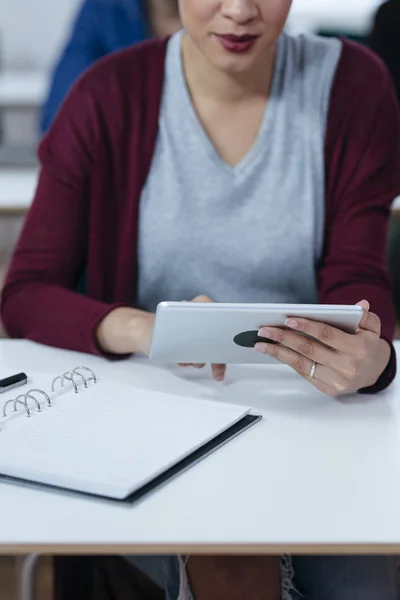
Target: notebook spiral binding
(29, 399)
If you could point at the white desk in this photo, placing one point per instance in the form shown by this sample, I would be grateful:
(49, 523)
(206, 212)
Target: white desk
(316, 475)
(23, 90)
(17, 189)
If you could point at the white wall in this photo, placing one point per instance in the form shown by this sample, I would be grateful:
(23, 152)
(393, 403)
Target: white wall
(31, 31)
(353, 16)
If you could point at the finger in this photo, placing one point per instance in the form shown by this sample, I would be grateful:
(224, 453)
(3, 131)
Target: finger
(199, 366)
(315, 351)
(202, 299)
(370, 321)
(323, 376)
(329, 382)
(298, 362)
(323, 333)
(365, 305)
(326, 389)
(218, 372)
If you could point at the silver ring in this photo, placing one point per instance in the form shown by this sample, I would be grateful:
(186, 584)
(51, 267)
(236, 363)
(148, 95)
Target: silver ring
(313, 369)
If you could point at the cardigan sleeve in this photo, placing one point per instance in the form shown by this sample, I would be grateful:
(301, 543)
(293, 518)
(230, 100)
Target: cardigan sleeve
(362, 180)
(38, 300)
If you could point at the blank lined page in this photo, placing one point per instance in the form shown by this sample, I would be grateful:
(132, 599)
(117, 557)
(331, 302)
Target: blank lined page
(109, 439)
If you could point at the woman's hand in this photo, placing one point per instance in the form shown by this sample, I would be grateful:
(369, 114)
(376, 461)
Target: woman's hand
(129, 330)
(343, 363)
(125, 331)
(218, 371)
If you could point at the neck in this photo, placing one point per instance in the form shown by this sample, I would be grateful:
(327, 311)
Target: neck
(204, 79)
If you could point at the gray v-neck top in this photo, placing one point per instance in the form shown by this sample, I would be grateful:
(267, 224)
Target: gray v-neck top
(249, 233)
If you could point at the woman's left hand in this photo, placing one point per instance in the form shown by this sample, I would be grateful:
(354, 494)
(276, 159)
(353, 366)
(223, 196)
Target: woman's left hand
(335, 362)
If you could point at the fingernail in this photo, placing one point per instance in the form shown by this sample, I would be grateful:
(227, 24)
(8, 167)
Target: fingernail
(265, 333)
(292, 323)
(260, 347)
(219, 377)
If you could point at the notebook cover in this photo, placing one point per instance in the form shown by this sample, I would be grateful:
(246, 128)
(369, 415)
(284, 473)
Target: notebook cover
(172, 472)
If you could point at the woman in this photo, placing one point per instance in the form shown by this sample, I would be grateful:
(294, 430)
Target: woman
(101, 27)
(237, 162)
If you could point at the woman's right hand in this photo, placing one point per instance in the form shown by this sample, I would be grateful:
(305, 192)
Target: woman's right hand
(218, 371)
(129, 330)
(126, 331)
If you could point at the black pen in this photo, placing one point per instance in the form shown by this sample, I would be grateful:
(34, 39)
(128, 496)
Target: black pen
(9, 383)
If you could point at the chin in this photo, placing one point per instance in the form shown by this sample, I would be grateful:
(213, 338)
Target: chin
(236, 65)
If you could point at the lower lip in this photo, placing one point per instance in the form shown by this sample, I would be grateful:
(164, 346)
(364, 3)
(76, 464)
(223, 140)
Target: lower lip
(238, 47)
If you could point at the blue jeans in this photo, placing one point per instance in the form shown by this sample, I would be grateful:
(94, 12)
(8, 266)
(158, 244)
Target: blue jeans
(316, 577)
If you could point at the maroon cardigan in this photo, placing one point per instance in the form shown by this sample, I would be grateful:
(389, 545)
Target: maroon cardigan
(95, 160)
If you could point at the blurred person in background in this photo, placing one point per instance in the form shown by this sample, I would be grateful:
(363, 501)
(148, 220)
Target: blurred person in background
(101, 27)
(384, 39)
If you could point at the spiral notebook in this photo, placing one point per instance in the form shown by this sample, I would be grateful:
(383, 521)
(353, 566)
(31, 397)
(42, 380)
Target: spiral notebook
(93, 436)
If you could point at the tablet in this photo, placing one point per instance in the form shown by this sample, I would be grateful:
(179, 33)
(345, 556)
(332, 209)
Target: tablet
(196, 332)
